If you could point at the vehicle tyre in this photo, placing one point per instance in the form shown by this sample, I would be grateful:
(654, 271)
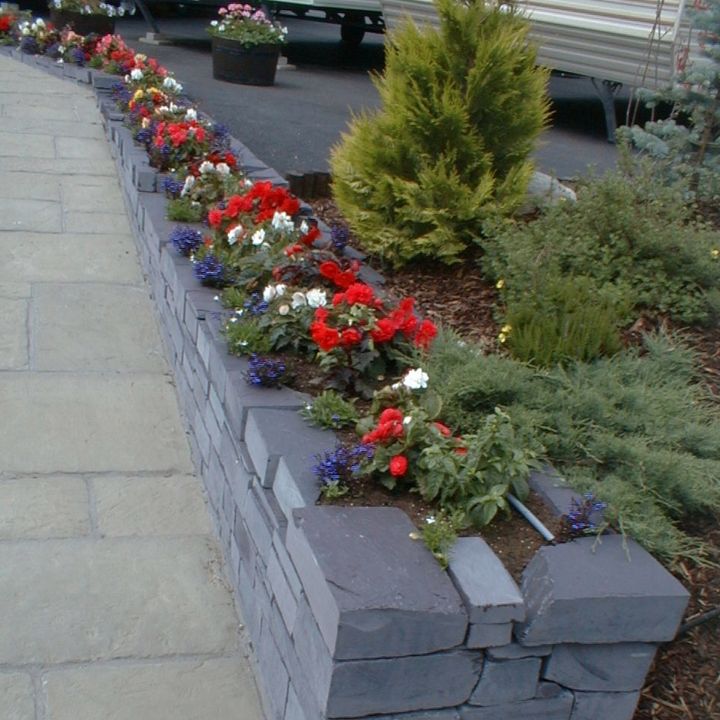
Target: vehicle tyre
(350, 33)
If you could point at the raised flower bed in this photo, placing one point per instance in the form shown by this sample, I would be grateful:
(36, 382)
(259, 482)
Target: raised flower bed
(348, 616)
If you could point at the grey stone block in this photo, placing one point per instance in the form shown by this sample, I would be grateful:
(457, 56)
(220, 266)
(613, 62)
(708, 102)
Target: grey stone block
(239, 397)
(424, 682)
(144, 177)
(507, 681)
(597, 706)
(370, 276)
(514, 651)
(103, 81)
(489, 592)
(259, 524)
(391, 600)
(489, 636)
(267, 174)
(293, 709)
(449, 714)
(286, 599)
(294, 487)
(608, 592)
(311, 647)
(551, 703)
(610, 668)
(271, 433)
(553, 489)
(274, 689)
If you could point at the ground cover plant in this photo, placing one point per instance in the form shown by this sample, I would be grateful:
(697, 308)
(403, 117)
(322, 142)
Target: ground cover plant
(638, 430)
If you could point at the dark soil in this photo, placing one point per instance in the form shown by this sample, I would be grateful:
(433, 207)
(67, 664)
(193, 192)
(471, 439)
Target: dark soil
(684, 683)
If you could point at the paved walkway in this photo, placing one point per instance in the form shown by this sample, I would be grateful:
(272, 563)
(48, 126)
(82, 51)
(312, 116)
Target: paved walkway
(113, 603)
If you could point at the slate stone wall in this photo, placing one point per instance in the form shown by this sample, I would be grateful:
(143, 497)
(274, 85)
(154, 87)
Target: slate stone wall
(348, 616)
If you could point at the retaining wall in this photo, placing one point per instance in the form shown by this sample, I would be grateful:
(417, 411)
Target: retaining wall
(347, 615)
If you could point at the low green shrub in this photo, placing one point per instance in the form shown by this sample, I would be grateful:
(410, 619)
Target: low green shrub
(570, 318)
(638, 430)
(462, 107)
(635, 238)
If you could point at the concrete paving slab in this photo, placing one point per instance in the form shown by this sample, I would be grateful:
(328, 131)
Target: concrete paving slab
(42, 126)
(36, 507)
(14, 290)
(33, 110)
(93, 195)
(49, 105)
(59, 166)
(83, 223)
(187, 690)
(94, 327)
(31, 215)
(150, 506)
(16, 697)
(84, 258)
(13, 334)
(26, 146)
(29, 186)
(87, 599)
(81, 148)
(90, 423)
(44, 85)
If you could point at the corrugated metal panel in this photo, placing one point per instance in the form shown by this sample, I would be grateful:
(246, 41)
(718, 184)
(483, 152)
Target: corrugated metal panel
(633, 42)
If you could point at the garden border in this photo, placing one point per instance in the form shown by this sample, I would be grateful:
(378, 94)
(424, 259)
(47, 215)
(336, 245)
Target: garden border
(389, 634)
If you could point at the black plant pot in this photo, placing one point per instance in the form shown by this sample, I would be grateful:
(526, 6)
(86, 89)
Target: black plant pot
(236, 63)
(82, 24)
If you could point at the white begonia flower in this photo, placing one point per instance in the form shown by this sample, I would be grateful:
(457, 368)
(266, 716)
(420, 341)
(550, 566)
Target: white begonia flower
(136, 74)
(206, 167)
(283, 222)
(268, 293)
(222, 169)
(416, 379)
(280, 289)
(407, 419)
(163, 109)
(316, 298)
(214, 23)
(191, 114)
(188, 185)
(172, 85)
(258, 237)
(298, 300)
(235, 233)
(284, 309)
(430, 520)
(304, 227)
(40, 23)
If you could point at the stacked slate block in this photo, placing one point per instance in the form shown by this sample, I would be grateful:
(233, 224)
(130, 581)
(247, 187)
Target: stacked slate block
(348, 616)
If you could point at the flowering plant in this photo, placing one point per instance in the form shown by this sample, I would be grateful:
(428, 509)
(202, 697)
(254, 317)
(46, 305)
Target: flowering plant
(360, 337)
(76, 49)
(112, 55)
(90, 7)
(467, 476)
(8, 25)
(247, 25)
(177, 144)
(207, 183)
(36, 36)
(279, 317)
